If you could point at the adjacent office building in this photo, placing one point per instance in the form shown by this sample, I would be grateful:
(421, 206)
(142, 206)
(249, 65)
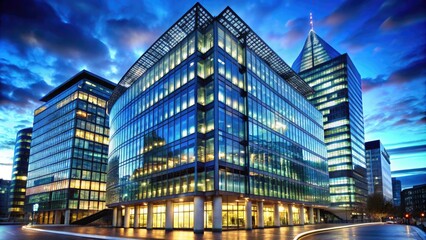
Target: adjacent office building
(337, 86)
(396, 192)
(211, 129)
(378, 169)
(69, 151)
(4, 197)
(413, 201)
(19, 174)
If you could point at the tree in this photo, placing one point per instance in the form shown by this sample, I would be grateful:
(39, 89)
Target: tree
(378, 207)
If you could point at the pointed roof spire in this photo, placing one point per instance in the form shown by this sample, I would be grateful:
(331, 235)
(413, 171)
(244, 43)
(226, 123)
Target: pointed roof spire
(314, 52)
(311, 21)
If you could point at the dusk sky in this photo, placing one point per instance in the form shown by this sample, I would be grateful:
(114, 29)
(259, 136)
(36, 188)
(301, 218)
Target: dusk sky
(43, 44)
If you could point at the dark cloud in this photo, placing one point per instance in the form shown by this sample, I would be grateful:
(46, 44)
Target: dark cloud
(29, 24)
(368, 22)
(404, 14)
(297, 31)
(396, 112)
(129, 34)
(371, 83)
(349, 10)
(412, 71)
(30, 89)
(410, 149)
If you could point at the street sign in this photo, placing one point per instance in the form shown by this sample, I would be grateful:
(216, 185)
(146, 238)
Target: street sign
(35, 207)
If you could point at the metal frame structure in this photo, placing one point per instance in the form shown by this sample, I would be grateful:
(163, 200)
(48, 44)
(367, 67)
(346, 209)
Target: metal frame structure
(199, 18)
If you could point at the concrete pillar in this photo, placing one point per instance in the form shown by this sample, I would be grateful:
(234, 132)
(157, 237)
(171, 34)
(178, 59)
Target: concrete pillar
(311, 215)
(149, 218)
(249, 220)
(260, 219)
(114, 216)
(277, 215)
(127, 217)
(136, 217)
(302, 215)
(58, 215)
(119, 217)
(198, 214)
(169, 215)
(290, 215)
(318, 215)
(217, 214)
(67, 217)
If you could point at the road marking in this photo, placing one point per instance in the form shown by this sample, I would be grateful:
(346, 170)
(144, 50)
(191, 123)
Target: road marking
(76, 234)
(303, 234)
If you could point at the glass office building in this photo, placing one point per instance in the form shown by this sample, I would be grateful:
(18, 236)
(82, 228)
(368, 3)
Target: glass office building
(378, 169)
(338, 95)
(19, 175)
(69, 151)
(210, 129)
(396, 192)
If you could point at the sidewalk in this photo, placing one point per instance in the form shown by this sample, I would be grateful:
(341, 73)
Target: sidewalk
(283, 233)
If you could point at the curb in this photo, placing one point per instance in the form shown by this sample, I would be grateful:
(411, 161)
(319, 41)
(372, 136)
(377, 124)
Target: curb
(92, 236)
(303, 234)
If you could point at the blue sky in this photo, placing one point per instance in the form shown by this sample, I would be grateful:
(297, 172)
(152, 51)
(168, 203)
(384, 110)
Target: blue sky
(43, 43)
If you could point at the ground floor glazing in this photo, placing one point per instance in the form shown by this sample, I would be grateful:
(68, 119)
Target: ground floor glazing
(215, 213)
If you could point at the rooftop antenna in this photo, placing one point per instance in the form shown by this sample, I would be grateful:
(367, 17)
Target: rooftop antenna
(311, 21)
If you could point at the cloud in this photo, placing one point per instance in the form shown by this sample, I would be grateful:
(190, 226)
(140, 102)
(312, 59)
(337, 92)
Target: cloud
(21, 88)
(412, 71)
(410, 149)
(403, 14)
(35, 24)
(129, 33)
(297, 31)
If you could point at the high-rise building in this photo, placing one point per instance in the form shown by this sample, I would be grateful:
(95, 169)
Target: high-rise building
(337, 86)
(210, 129)
(378, 169)
(396, 192)
(413, 201)
(4, 197)
(19, 174)
(69, 151)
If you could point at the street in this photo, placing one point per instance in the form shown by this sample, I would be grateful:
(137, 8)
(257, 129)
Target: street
(373, 232)
(377, 231)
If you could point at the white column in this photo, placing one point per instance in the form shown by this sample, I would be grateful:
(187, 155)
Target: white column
(290, 215)
(127, 217)
(249, 220)
(311, 215)
(169, 215)
(149, 218)
(198, 214)
(318, 215)
(217, 214)
(302, 215)
(114, 217)
(58, 215)
(136, 217)
(260, 220)
(277, 215)
(67, 217)
(119, 217)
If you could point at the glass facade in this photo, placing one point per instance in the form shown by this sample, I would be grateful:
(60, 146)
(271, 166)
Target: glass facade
(338, 96)
(396, 192)
(211, 118)
(378, 169)
(19, 175)
(69, 151)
